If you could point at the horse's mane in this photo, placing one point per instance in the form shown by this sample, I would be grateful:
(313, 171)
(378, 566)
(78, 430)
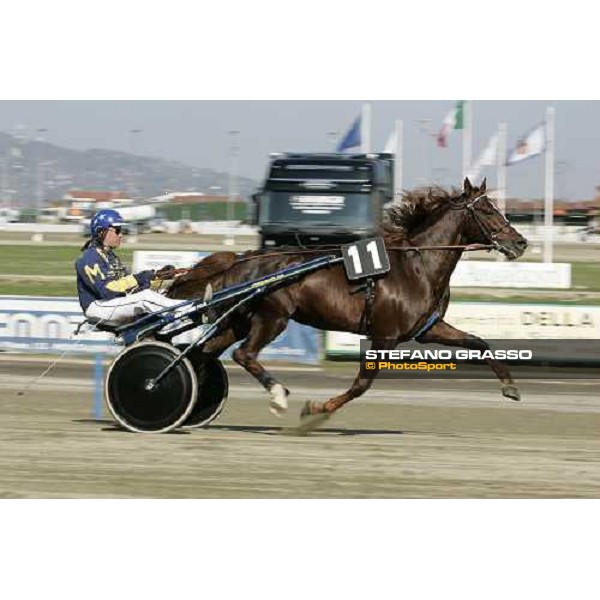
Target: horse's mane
(416, 205)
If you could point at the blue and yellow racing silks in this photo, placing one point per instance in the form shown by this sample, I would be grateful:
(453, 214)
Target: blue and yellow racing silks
(101, 275)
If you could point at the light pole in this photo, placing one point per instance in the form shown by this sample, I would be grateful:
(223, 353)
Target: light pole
(39, 180)
(333, 137)
(5, 194)
(16, 165)
(133, 135)
(233, 173)
(425, 128)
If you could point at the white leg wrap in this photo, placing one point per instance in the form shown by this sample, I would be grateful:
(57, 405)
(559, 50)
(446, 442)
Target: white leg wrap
(278, 403)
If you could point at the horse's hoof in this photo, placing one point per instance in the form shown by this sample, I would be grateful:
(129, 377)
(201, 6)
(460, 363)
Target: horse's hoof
(511, 391)
(310, 423)
(310, 420)
(306, 410)
(311, 408)
(278, 404)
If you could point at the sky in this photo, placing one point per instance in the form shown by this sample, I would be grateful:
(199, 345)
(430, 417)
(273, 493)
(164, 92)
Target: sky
(197, 132)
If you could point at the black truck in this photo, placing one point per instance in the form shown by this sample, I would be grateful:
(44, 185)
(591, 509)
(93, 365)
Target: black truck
(316, 199)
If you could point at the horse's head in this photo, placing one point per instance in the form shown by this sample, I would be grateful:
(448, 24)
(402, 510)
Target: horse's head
(485, 224)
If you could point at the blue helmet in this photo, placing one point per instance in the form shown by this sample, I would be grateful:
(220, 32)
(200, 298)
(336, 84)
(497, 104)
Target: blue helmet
(104, 219)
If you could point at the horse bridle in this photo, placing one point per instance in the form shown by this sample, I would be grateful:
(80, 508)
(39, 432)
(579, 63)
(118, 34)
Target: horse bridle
(488, 233)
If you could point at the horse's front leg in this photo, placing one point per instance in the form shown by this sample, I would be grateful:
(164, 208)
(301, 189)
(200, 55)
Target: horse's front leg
(445, 334)
(314, 413)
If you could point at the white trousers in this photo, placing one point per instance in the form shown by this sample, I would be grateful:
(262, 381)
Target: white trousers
(126, 308)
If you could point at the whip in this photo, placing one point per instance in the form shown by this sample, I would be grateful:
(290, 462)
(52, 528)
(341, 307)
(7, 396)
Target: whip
(54, 362)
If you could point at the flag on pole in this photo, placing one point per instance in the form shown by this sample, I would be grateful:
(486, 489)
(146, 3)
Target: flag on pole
(390, 145)
(531, 144)
(352, 139)
(487, 158)
(454, 120)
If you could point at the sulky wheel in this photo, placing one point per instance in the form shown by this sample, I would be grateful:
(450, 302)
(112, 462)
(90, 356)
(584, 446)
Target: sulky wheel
(150, 411)
(212, 389)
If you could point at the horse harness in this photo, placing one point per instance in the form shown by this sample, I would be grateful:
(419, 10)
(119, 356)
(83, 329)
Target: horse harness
(366, 318)
(487, 233)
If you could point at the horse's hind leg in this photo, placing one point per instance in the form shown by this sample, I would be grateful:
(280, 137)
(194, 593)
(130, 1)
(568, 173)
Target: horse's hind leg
(445, 334)
(226, 338)
(313, 413)
(264, 329)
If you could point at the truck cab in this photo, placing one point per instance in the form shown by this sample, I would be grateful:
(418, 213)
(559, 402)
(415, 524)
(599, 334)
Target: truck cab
(319, 199)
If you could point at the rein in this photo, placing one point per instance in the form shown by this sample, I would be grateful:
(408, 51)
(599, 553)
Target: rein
(324, 249)
(463, 247)
(327, 249)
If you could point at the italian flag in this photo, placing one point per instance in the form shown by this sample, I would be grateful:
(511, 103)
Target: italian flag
(454, 120)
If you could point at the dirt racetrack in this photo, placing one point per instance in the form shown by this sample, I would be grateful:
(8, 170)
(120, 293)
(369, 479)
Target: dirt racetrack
(402, 440)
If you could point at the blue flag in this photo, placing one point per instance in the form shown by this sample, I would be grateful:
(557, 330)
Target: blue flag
(352, 138)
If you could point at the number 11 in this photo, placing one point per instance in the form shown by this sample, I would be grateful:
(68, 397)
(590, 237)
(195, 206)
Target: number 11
(353, 252)
(372, 248)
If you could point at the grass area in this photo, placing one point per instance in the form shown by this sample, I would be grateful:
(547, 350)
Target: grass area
(585, 277)
(59, 261)
(36, 288)
(44, 260)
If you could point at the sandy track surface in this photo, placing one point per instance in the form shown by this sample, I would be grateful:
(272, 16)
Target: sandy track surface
(402, 440)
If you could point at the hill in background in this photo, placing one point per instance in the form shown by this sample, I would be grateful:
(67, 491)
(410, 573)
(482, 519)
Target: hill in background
(32, 170)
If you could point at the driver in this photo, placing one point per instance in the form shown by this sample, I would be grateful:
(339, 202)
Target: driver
(107, 292)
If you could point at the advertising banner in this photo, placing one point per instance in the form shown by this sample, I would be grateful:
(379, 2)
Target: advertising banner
(494, 320)
(155, 259)
(525, 321)
(44, 324)
(511, 275)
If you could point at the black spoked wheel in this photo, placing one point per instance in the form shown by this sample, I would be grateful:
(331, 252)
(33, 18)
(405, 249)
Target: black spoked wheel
(213, 387)
(157, 410)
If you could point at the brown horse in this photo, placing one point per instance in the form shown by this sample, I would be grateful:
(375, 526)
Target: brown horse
(416, 287)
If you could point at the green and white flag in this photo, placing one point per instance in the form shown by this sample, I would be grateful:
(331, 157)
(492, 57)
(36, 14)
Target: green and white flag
(454, 120)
